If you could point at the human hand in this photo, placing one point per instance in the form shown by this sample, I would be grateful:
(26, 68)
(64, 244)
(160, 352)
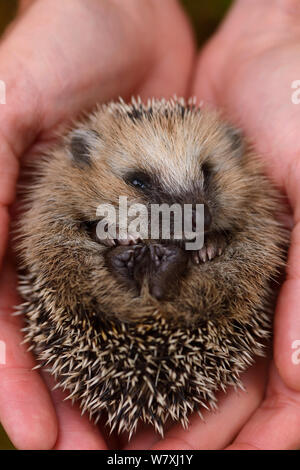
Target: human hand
(57, 59)
(247, 69)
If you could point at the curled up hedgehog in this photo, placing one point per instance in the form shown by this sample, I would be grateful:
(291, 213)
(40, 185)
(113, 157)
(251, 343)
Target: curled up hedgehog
(141, 328)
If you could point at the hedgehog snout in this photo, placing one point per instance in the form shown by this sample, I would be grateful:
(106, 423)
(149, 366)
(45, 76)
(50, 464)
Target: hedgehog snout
(159, 266)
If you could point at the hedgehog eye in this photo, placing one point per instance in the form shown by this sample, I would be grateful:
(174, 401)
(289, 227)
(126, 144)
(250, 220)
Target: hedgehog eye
(138, 180)
(138, 183)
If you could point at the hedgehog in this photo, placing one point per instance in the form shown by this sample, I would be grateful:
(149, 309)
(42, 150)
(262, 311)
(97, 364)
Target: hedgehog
(142, 329)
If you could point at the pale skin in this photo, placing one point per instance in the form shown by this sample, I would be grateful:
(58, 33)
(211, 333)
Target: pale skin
(247, 69)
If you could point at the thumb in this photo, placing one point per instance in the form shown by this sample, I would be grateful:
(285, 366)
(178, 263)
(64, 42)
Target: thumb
(18, 128)
(287, 316)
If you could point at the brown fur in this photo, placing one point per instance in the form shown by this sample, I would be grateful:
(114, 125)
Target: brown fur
(171, 141)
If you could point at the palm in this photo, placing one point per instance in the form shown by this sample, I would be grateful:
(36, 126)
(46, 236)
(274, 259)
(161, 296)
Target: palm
(248, 69)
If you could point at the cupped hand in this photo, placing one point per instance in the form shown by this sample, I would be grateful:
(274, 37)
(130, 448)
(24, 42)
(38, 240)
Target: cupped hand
(58, 59)
(248, 69)
(59, 67)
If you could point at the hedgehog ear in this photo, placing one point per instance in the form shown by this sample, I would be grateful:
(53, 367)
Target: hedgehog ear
(82, 142)
(236, 138)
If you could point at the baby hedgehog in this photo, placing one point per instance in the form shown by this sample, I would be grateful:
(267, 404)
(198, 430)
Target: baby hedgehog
(141, 328)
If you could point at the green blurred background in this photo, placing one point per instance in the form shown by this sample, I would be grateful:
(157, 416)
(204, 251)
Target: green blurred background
(205, 17)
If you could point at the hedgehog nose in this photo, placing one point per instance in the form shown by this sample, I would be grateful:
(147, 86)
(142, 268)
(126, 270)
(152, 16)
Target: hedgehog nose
(167, 265)
(207, 219)
(160, 266)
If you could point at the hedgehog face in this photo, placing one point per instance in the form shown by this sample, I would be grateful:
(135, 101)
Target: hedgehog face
(162, 156)
(176, 157)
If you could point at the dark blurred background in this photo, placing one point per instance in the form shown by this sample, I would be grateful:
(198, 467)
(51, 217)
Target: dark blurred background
(205, 17)
(7, 12)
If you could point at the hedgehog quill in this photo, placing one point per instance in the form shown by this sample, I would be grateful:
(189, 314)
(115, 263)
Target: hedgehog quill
(143, 329)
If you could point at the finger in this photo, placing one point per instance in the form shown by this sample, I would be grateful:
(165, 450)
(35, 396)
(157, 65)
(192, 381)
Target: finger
(76, 432)
(26, 409)
(275, 425)
(24, 4)
(171, 72)
(120, 45)
(144, 438)
(287, 319)
(287, 332)
(4, 226)
(220, 428)
(9, 169)
(8, 175)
